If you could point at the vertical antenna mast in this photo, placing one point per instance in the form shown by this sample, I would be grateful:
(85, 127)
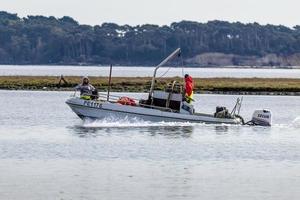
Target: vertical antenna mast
(109, 82)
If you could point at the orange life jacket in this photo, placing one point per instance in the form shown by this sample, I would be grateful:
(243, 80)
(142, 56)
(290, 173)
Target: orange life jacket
(126, 101)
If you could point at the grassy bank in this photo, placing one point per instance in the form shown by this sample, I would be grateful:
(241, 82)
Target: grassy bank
(121, 84)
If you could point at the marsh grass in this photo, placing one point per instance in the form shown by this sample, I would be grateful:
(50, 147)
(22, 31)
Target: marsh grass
(142, 84)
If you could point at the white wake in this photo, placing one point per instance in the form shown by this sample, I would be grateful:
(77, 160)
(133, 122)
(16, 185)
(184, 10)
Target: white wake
(112, 122)
(296, 122)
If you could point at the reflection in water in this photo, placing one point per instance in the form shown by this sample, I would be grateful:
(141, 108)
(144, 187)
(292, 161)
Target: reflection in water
(221, 130)
(170, 131)
(82, 131)
(261, 129)
(130, 126)
(166, 129)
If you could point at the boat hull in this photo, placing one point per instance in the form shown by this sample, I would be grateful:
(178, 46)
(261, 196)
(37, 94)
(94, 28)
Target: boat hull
(101, 110)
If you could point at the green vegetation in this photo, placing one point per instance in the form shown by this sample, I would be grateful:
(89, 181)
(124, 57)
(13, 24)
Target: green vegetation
(48, 40)
(222, 85)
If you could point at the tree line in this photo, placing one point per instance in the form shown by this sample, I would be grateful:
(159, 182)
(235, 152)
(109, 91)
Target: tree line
(50, 40)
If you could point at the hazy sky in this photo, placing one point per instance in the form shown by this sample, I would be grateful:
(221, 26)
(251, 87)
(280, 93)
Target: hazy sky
(133, 12)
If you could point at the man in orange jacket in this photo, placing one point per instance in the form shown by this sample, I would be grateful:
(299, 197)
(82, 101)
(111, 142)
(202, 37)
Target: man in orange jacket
(189, 87)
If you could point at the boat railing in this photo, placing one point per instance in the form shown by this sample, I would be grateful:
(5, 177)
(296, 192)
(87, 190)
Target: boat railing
(114, 98)
(101, 96)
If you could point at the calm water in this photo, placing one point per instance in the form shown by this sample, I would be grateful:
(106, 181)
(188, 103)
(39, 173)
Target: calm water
(46, 152)
(6, 70)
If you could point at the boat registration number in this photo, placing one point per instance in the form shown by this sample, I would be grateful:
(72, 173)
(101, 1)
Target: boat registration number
(92, 104)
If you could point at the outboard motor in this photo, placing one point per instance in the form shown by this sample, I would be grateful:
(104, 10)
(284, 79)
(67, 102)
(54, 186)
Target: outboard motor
(261, 118)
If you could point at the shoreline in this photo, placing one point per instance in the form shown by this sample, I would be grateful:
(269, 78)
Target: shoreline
(261, 93)
(228, 86)
(150, 66)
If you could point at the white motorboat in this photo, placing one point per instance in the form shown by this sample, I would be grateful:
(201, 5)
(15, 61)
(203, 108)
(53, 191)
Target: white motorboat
(168, 106)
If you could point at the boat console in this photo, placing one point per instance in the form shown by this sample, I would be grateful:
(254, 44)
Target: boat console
(167, 99)
(171, 98)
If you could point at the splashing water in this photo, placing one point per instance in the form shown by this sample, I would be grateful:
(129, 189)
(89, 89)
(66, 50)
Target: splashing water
(115, 122)
(296, 122)
(130, 122)
(293, 124)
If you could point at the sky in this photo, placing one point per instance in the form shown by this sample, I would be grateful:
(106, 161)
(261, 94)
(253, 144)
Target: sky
(161, 12)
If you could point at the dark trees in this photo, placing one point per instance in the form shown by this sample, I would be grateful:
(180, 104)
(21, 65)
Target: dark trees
(48, 40)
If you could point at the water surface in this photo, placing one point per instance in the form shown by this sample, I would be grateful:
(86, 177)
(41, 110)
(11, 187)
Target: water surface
(46, 152)
(30, 70)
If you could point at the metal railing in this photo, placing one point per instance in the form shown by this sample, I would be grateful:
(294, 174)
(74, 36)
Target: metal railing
(114, 99)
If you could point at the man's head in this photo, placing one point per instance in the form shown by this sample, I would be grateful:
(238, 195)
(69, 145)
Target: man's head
(186, 75)
(85, 80)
